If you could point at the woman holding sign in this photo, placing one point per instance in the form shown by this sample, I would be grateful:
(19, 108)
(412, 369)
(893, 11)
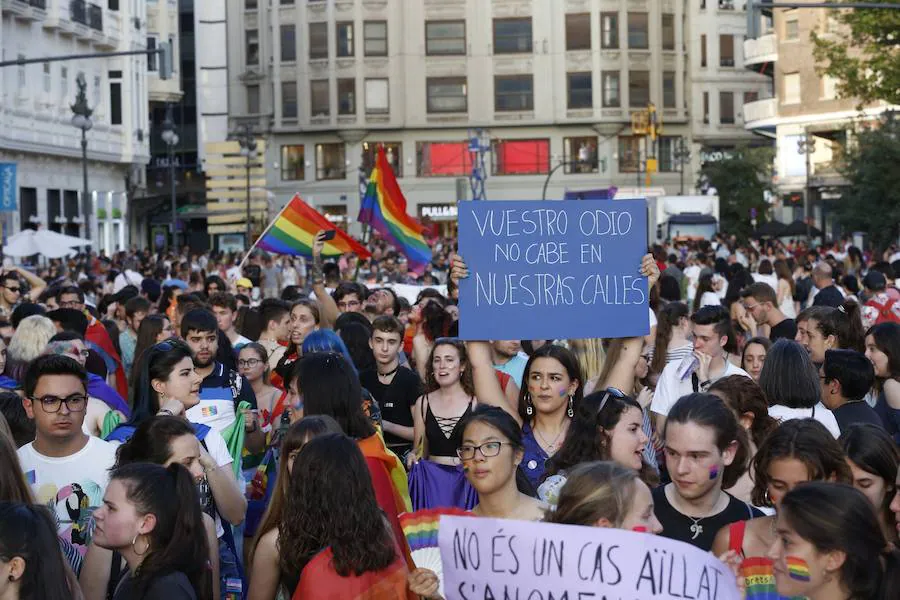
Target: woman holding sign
(828, 545)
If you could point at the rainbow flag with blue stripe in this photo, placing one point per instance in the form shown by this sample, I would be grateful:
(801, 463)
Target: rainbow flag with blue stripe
(384, 209)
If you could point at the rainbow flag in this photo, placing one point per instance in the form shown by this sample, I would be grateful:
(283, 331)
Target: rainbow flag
(293, 230)
(384, 209)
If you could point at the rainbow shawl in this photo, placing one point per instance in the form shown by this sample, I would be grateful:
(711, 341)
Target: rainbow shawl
(384, 210)
(319, 581)
(294, 229)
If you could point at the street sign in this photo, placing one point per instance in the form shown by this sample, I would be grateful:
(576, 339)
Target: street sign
(8, 187)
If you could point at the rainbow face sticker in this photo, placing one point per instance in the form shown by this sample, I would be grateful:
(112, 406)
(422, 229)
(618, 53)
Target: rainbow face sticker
(713, 472)
(797, 568)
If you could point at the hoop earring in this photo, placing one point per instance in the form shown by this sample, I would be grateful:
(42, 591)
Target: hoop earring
(134, 546)
(571, 410)
(768, 500)
(529, 409)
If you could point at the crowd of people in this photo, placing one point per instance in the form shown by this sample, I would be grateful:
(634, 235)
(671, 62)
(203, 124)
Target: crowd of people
(198, 427)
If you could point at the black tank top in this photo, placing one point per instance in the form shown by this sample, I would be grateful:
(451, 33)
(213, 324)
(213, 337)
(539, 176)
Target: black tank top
(443, 433)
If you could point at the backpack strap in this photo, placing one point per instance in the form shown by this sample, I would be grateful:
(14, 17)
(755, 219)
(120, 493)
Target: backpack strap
(115, 575)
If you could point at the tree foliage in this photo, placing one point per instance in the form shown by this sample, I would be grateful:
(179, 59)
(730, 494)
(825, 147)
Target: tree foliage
(871, 200)
(741, 181)
(865, 58)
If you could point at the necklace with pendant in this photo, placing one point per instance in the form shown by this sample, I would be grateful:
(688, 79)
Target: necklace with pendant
(696, 527)
(551, 446)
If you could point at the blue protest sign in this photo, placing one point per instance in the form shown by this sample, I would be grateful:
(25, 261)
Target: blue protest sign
(553, 270)
(7, 187)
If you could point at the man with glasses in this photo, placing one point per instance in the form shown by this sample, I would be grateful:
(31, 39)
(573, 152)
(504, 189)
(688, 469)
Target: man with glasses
(761, 302)
(11, 289)
(67, 469)
(349, 296)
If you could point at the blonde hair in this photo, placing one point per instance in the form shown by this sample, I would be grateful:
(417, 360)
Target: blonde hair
(594, 491)
(590, 356)
(31, 338)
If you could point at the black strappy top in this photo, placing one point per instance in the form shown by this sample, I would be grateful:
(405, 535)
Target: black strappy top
(443, 433)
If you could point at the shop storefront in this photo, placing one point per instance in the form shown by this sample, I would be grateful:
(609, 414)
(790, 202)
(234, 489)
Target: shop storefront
(440, 218)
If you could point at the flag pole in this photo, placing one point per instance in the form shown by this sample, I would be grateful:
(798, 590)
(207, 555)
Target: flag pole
(265, 231)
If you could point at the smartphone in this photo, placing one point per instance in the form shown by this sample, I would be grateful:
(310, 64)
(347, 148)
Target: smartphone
(329, 235)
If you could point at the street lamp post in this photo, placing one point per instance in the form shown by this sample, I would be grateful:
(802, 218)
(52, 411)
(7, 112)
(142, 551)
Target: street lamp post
(81, 118)
(170, 137)
(682, 157)
(807, 146)
(248, 151)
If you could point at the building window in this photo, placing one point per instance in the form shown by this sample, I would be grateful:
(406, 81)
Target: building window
(792, 29)
(578, 31)
(318, 40)
(581, 92)
(447, 94)
(63, 82)
(22, 74)
(319, 98)
(48, 81)
(791, 88)
(512, 36)
(703, 50)
(152, 60)
(726, 50)
(668, 31)
(513, 92)
(252, 45)
(638, 36)
(609, 30)
(250, 4)
(346, 96)
(115, 102)
(521, 157)
(253, 100)
(444, 38)
(344, 40)
(829, 87)
(629, 153)
(750, 97)
(638, 89)
(289, 100)
(706, 108)
(173, 53)
(375, 42)
(293, 165)
(443, 159)
(726, 108)
(580, 155)
(330, 161)
(666, 154)
(669, 89)
(377, 97)
(611, 89)
(392, 152)
(288, 43)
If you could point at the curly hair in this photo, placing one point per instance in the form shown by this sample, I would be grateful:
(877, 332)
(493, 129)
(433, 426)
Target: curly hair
(27, 343)
(807, 441)
(330, 475)
(465, 378)
(743, 395)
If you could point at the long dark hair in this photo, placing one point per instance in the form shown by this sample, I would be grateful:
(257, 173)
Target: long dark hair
(158, 362)
(707, 410)
(29, 531)
(887, 339)
(330, 476)
(330, 386)
(789, 377)
(589, 436)
(569, 363)
(151, 441)
(178, 542)
(744, 395)
(807, 441)
(704, 285)
(845, 324)
(668, 318)
(465, 379)
(871, 449)
(838, 517)
(436, 321)
(150, 328)
(13, 487)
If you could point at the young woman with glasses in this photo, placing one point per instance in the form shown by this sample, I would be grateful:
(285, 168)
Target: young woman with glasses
(253, 364)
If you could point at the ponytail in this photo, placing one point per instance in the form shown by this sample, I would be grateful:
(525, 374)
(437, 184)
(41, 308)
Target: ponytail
(845, 324)
(178, 541)
(668, 319)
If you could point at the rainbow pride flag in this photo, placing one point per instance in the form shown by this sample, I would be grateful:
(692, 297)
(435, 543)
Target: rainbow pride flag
(384, 209)
(294, 229)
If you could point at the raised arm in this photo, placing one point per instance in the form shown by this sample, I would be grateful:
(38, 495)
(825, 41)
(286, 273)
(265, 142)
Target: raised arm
(328, 310)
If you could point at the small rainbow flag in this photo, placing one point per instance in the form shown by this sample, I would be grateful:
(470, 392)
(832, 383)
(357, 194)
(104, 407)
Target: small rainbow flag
(797, 568)
(384, 209)
(294, 229)
(421, 527)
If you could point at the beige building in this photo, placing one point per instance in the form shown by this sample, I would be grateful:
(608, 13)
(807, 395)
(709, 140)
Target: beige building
(802, 104)
(553, 85)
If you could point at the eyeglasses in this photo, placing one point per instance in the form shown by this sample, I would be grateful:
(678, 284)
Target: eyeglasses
(51, 404)
(15, 290)
(349, 304)
(487, 449)
(69, 304)
(250, 362)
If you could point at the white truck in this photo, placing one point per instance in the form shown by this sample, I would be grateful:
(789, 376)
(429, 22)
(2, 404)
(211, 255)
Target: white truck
(676, 217)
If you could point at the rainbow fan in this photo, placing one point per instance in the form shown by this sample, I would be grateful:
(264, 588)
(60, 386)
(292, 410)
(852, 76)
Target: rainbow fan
(421, 531)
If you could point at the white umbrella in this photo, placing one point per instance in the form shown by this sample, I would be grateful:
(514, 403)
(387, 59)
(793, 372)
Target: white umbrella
(29, 242)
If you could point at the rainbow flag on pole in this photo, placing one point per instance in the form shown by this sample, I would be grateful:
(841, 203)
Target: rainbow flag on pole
(384, 209)
(293, 230)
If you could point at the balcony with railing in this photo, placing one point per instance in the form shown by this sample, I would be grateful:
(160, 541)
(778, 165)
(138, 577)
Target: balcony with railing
(95, 17)
(761, 114)
(760, 51)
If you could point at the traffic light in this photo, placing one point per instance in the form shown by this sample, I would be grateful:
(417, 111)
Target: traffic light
(165, 60)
